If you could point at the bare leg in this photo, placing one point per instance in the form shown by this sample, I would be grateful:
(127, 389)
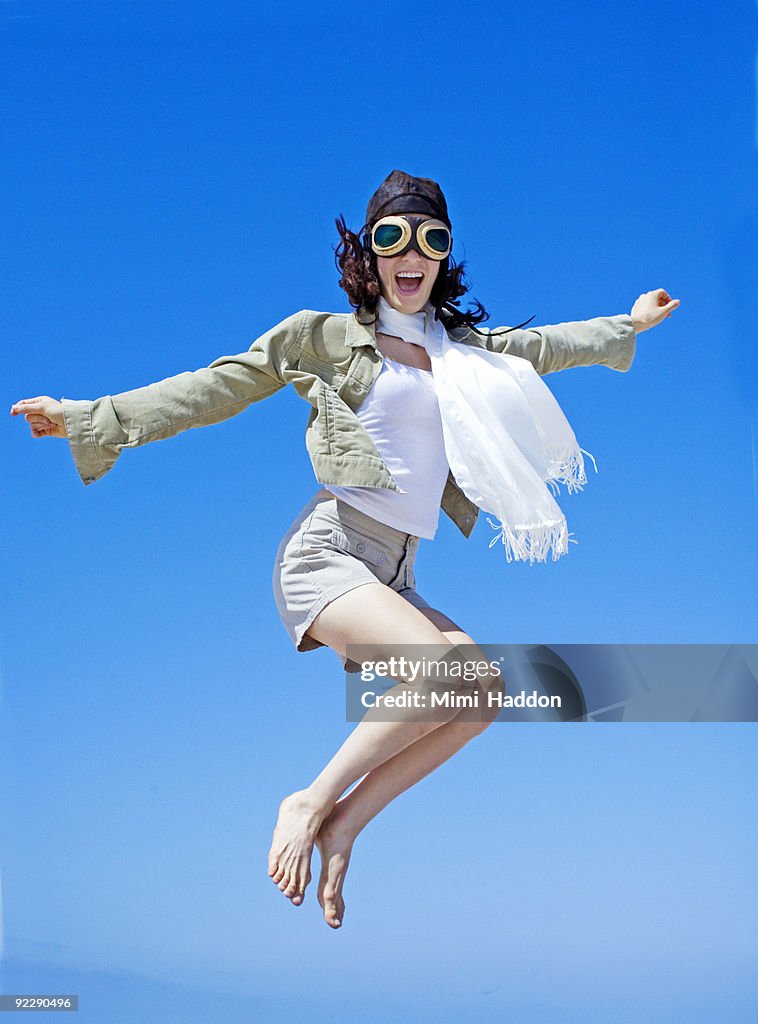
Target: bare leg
(376, 615)
(352, 812)
(370, 614)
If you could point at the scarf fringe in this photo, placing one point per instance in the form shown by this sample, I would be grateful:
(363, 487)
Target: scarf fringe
(566, 466)
(532, 544)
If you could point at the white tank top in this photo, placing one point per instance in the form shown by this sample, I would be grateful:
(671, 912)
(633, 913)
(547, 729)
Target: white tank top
(402, 417)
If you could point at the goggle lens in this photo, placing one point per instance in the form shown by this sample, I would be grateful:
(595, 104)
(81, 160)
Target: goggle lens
(387, 235)
(438, 239)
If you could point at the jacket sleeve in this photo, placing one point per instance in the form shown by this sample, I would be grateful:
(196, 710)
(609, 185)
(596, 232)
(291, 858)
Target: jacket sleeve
(98, 430)
(608, 340)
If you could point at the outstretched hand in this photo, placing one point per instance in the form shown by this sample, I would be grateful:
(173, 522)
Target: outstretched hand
(651, 307)
(43, 414)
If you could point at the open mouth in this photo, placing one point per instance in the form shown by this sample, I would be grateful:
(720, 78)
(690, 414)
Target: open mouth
(409, 282)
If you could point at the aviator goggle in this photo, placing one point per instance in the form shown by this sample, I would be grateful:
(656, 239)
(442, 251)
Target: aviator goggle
(393, 236)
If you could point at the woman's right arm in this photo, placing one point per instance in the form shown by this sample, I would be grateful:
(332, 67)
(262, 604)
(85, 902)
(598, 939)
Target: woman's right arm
(99, 430)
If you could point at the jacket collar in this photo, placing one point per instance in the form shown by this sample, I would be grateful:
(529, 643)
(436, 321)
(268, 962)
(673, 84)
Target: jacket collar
(360, 334)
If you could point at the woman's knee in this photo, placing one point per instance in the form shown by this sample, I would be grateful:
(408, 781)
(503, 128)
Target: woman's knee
(452, 682)
(486, 683)
(486, 674)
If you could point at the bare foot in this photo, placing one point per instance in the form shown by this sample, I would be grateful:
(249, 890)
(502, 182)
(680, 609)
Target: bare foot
(289, 859)
(335, 843)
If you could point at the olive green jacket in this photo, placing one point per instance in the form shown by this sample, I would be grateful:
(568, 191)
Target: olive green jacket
(331, 359)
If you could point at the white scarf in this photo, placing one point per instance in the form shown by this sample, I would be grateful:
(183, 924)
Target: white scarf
(506, 438)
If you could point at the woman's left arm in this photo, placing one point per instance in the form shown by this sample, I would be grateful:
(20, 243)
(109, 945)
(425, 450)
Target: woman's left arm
(605, 340)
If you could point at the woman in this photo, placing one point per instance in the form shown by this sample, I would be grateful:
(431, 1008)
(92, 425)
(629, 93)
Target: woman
(379, 444)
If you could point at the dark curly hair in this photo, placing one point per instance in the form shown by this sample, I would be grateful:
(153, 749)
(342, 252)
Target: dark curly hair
(359, 278)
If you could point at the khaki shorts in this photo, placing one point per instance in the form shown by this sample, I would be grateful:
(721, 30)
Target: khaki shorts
(331, 548)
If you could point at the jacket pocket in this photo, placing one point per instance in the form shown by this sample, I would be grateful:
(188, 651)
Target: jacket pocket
(325, 417)
(326, 372)
(357, 545)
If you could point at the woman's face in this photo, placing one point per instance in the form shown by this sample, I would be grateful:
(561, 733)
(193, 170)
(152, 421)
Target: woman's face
(407, 280)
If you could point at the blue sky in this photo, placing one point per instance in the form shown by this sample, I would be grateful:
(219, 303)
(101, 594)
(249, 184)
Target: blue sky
(171, 178)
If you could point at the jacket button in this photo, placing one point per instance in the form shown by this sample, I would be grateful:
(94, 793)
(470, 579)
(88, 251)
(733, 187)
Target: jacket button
(360, 547)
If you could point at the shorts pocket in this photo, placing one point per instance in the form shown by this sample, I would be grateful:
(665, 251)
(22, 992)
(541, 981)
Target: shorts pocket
(410, 576)
(357, 545)
(314, 532)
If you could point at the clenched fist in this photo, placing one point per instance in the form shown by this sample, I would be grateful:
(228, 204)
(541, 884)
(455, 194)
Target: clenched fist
(651, 307)
(44, 416)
